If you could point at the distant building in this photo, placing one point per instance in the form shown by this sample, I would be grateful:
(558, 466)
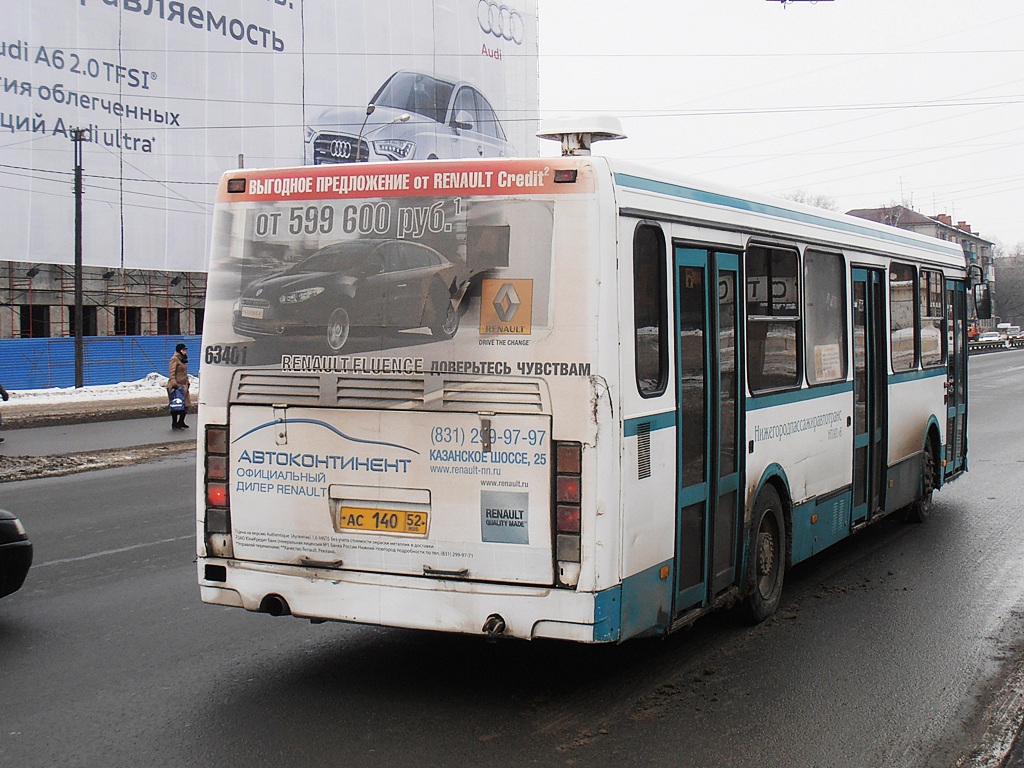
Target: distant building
(977, 250)
(38, 300)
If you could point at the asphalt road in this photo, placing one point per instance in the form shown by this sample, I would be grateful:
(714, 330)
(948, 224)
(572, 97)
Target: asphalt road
(93, 436)
(890, 650)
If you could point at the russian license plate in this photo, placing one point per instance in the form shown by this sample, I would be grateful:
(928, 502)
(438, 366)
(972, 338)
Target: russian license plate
(383, 521)
(256, 313)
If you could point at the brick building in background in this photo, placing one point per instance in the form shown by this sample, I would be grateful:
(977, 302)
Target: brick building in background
(37, 301)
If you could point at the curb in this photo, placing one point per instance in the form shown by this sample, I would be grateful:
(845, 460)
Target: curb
(81, 413)
(16, 468)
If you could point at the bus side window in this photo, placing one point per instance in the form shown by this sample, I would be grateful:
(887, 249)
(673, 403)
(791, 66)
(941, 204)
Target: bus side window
(773, 318)
(650, 315)
(933, 320)
(902, 323)
(825, 313)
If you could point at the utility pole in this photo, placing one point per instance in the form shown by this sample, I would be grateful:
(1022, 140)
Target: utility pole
(77, 137)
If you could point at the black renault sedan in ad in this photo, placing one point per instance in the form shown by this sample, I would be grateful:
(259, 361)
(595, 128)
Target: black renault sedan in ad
(351, 286)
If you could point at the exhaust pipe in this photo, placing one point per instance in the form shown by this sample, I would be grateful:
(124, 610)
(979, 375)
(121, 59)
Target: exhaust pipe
(494, 626)
(275, 605)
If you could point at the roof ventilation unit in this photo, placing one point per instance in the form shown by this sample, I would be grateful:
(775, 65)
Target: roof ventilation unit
(577, 133)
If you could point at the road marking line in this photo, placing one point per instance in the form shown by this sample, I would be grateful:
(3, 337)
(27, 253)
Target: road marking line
(111, 551)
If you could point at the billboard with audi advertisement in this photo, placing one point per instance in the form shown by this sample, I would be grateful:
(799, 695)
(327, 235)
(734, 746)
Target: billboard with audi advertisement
(162, 97)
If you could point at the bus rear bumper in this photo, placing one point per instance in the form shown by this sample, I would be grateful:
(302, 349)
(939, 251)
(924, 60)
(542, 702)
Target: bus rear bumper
(526, 612)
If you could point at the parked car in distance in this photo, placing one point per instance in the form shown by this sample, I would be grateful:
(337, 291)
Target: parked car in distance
(412, 116)
(988, 336)
(353, 285)
(15, 553)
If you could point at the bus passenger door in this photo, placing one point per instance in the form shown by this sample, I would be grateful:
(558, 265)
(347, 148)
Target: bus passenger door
(955, 458)
(707, 425)
(869, 393)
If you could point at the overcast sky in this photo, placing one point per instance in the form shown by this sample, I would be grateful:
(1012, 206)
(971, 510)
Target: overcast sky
(869, 102)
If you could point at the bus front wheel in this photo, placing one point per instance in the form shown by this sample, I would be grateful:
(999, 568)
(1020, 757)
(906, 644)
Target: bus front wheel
(767, 558)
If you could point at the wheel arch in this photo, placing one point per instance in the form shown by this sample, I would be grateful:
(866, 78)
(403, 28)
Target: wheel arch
(933, 441)
(775, 476)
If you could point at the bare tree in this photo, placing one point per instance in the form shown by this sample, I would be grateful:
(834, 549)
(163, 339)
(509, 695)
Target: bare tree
(1009, 285)
(810, 198)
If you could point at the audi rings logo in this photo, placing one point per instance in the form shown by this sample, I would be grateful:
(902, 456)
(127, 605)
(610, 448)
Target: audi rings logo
(501, 21)
(340, 149)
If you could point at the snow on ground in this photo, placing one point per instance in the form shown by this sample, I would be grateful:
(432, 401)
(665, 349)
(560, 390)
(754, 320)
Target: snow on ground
(152, 386)
(54, 405)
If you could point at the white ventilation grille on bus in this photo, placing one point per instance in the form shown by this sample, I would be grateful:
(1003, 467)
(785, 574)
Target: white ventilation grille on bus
(270, 387)
(375, 392)
(483, 394)
(643, 450)
(437, 393)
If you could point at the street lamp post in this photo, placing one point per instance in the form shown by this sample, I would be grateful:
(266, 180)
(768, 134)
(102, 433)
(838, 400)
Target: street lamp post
(77, 137)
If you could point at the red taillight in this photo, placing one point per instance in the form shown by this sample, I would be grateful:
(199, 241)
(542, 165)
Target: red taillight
(567, 519)
(569, 458)
(568, 510)
(216, 494)
(215, 485)
(216, 467)
(216, 441)
(567, 489)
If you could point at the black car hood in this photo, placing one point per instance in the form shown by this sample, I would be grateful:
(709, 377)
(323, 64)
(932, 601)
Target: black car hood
(275, 285)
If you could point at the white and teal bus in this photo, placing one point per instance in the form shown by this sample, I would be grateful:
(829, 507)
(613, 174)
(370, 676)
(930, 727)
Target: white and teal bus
(565, 398)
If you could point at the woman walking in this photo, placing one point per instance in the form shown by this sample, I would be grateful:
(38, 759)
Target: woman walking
(178, 378)
(5, 396)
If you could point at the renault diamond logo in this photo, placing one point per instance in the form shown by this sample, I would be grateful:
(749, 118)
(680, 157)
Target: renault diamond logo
(506, 303)
(506, 307)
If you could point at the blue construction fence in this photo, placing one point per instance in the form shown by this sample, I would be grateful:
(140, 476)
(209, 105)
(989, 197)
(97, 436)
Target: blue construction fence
(45, 363)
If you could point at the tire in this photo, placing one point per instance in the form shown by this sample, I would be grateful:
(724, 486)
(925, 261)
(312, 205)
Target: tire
(445, 317)
(767, 565)
(339, 328)
(919, 509)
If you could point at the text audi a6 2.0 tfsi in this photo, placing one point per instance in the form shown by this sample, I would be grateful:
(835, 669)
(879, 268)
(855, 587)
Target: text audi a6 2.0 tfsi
(354, 285)
(412, 116)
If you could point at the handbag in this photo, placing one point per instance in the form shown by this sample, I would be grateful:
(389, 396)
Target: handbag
(177, 404)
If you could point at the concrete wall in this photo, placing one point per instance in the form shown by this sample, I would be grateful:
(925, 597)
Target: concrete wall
(45, 363)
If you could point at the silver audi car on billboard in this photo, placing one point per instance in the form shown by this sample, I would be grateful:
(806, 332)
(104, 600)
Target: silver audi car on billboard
(412, 116)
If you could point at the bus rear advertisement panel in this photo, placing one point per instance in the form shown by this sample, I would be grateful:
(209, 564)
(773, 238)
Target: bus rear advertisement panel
(380, 266)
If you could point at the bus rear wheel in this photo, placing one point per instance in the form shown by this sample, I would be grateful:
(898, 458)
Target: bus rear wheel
(921, 507)
(767, 559)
